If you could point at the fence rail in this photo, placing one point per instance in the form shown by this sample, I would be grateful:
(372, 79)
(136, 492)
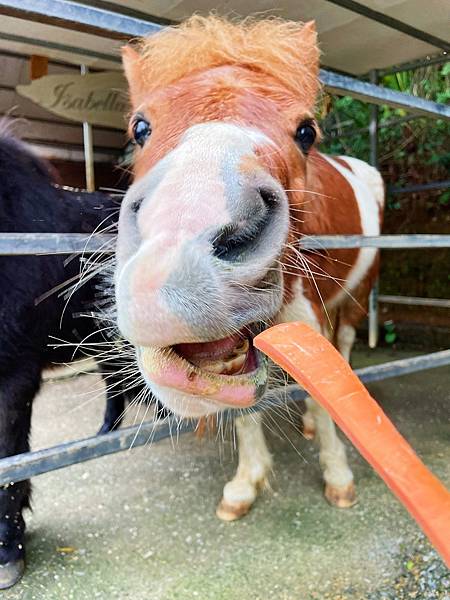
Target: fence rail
(414, 301)
(30, 464)
(80, 243)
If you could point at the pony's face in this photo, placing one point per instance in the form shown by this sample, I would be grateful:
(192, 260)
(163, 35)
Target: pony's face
(204, 228)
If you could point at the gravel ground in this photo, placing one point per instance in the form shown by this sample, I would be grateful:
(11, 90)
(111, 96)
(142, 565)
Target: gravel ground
(141, 524)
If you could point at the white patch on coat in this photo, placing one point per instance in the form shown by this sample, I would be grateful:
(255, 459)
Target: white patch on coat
(367, 187)
(345, 339)
(299, 309)
(368, 174)
(332, 454)
(255, 462)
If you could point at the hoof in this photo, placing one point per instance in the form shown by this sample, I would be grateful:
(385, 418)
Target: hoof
(308, 427)
(342, 497)
(10, 573)
(309, 433)
(103, 429)
(109, 426)
(232, 512)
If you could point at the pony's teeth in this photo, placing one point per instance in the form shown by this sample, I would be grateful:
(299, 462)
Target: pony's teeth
(225, 367)
(229, 365)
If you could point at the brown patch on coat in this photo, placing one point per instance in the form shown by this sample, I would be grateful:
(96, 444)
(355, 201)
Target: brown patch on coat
(343, 162)
(328, 207)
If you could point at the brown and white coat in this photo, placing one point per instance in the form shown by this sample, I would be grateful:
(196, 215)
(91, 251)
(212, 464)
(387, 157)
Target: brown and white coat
(227, 182)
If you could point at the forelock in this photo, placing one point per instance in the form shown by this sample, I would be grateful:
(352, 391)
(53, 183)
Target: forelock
(285, 51)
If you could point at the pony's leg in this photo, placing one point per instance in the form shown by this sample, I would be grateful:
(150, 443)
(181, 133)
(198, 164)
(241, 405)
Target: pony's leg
(255, 462)
(345, 339)
(309, 425)
(18, 387)
(114, 412)
(339, 486)
(115, 397)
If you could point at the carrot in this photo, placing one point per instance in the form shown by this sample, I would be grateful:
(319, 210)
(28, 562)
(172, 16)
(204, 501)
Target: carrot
(319, 368)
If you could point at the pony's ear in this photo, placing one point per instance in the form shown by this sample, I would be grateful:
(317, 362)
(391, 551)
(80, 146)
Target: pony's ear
(131, 61)
(309, 51)
(307, 38)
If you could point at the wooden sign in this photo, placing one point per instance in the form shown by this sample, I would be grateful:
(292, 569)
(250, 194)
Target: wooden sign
(96, 98)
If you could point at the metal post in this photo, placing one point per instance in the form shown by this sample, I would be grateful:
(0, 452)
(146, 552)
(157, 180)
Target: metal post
(373, 297)
(88, 147)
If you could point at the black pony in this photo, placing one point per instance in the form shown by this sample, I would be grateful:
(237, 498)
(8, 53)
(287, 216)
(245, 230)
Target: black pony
(31, 202)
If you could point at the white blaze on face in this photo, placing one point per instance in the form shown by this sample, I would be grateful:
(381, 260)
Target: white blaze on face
(189, 195)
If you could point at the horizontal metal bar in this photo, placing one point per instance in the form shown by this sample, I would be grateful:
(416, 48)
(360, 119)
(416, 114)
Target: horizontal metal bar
(113, 24)
(54, 243)
(404, 366)
(65, 152)
(12, 244)
(30, 464)
(379, 17)
(27, 465)
(375, 94)
(416, 64)
(89, 19)
(67, 124)
(414, 301)
(51, 61)
(379, 241)
(72, 50)
(420, 187)
(36, 141)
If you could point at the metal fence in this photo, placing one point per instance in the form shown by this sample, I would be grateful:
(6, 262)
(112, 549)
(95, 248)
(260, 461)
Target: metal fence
(116, 24)
(23, 466)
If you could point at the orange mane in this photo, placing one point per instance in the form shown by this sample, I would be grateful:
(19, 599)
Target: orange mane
(284, 50)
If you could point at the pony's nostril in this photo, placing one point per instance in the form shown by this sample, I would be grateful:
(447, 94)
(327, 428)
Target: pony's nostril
(232, 242)
(235, 240)
(136, 205)
(270, 197)
(225, 241)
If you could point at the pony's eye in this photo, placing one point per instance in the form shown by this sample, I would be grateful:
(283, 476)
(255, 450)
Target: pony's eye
(305, 136)
(141, 131)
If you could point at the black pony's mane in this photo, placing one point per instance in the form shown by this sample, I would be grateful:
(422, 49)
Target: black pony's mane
(12, 148)
(31, 199)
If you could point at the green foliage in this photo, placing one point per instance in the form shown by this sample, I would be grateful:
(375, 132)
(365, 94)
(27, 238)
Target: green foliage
(404, 141)
(410, 150)
(444, 199)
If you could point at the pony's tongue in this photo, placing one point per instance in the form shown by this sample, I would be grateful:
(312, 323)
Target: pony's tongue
(228, 356)
(215, 349)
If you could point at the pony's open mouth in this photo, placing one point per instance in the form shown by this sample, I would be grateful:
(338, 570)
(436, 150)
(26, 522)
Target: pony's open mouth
(232, 355)
(228, 371)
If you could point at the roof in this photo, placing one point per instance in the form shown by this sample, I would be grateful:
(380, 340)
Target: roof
(350, 42)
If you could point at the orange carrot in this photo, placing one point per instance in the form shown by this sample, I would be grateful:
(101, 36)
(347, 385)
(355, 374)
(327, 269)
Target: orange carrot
(319, 368)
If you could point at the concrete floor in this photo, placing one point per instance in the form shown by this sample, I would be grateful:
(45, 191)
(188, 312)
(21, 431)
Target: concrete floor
(141, 524)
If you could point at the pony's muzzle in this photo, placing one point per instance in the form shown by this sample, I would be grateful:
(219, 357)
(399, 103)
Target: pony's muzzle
(239, 239)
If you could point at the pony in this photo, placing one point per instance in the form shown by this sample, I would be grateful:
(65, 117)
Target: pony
(227, 183)
(33, 313)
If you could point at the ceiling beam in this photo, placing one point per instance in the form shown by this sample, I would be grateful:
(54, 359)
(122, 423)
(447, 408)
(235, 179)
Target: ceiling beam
(90, 19)
(22, 39)
(379, 17)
